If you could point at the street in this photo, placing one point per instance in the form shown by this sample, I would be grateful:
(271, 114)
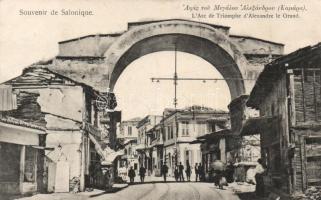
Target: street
(152, 191)
(178, 191)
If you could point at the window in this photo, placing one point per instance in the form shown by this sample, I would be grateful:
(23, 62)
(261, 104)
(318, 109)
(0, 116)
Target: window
(185, 131)
(172, 135)
(201, 128)
(168, 132)
(129, 130)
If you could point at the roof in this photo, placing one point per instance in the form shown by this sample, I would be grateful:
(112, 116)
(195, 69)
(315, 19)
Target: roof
(258, 39)
(37, 71)
(195, 110)
(216, 135)
(253, 126)
(17, 122)
(274, 71)
(218, 119)
(147, 119)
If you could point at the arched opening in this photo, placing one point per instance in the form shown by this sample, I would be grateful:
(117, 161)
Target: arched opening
(138, 95)
(209, 51)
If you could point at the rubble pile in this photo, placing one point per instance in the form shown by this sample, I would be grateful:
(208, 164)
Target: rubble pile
(311, 193)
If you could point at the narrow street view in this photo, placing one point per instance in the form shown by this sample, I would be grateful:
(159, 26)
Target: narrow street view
(165, 109)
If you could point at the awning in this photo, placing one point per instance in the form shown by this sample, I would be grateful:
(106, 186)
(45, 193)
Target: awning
(43, 148)
(110, 155)
(216, 135)
(98, 148)
(140, 147)
(127, 141)
(197, 141)
(253, 126)
(253, 164)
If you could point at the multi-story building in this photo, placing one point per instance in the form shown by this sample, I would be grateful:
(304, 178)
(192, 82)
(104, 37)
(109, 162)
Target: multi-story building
(181, 128)
(66, 109)
(157, 147)
(144, 146)
(127, 137)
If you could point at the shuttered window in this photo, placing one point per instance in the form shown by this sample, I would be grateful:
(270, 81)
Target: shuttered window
(307, 95)
(8, 100)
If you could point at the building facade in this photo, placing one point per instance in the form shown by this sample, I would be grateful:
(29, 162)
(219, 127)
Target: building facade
(287, 94)
(157, 148)
(22, 156)
(144, 146)
(127, 135)
(66, 109)
(181, 129)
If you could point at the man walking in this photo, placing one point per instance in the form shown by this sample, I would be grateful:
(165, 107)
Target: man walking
(131, 174)
(201, 172)
(176, 174)
(188, 172)
(164, 171)
(180, 171)
(196, 172)
(142, 172)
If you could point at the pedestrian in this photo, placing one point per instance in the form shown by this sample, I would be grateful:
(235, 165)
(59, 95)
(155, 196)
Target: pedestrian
(230, 173)
(131, 174)
(142, 172)
(164, 171)
(259, 171)
(180, 171)
(176, 174)
(196, 172)
(188, 172)
(201, 172)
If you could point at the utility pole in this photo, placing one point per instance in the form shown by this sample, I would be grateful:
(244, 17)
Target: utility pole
(175, 80)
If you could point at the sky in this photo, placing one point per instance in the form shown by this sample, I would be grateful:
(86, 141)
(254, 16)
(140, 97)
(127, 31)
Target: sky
(27, 39)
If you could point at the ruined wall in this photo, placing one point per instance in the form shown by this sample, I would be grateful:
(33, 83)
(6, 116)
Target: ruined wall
(91, 46)
(251, 45)
(92, 72)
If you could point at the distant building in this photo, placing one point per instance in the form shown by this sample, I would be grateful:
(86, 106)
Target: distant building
(127, 137)
(287, 94)
(144, 146)
(156, 148)
(214, 141)
(181, 129)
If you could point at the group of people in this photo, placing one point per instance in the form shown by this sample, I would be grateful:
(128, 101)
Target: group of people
(142, 173)
(179, 172)
(220, 179)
